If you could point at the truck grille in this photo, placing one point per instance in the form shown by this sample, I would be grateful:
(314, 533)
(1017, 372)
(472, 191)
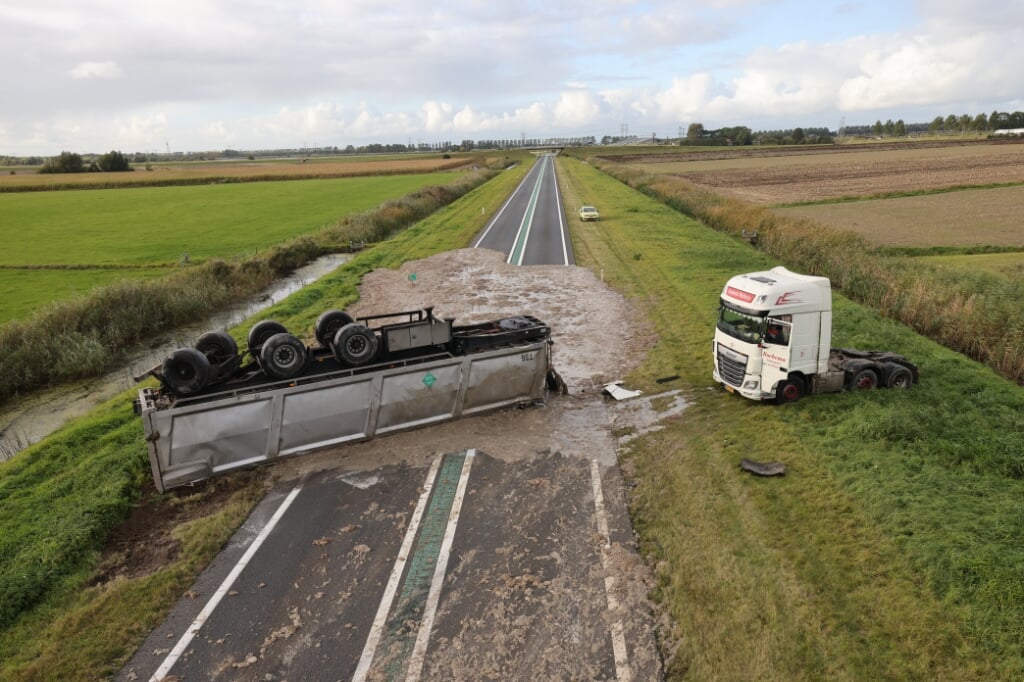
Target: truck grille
(732, 366)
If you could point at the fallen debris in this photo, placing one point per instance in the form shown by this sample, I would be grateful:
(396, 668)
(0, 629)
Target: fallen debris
(763, 468)
(615, 390)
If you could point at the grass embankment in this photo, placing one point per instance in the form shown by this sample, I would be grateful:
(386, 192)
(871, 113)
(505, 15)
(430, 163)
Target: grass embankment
(85, 336)
(890, 550)
(977, 314)
(60, 615)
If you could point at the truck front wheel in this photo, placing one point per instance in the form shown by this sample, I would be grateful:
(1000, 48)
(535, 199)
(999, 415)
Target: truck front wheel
(864, 380)
(790, 391)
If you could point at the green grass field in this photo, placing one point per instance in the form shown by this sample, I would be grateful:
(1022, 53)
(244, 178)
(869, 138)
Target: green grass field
(160, 225)
(1009, 265)
(157, 225)
(22, 292)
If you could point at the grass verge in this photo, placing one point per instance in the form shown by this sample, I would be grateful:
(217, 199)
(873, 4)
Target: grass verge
(60, 612)
(890, 550)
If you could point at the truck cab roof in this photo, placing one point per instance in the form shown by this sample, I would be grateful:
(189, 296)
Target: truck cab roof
(778, 291)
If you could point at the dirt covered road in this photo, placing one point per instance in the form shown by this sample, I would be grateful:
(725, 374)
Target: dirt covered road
(525, 569)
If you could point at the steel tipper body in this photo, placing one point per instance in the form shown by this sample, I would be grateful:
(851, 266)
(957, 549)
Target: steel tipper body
(773, 337)
(253, 418)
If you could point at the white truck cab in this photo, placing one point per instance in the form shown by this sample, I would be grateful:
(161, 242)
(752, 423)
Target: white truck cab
(772, 341)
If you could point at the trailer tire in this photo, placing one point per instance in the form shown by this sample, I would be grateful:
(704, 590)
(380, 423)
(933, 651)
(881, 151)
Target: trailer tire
(900, 378)
(864, 380)
(355, 345)
(186, 371)
(261, 333)
(328, 324)
(790, 391)
(218, 347)
(283, 356)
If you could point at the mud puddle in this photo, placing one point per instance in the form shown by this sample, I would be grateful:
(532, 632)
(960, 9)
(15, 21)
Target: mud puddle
(35, 416)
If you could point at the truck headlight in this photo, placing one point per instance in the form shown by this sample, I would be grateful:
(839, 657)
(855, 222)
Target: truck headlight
(751, 385)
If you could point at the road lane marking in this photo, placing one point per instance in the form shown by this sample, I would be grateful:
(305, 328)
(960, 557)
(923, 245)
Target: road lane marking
(515, 256)
(561, 217)
(419, 651)
(508, 201)
(201, 619)
(377, 629)
(619, 650)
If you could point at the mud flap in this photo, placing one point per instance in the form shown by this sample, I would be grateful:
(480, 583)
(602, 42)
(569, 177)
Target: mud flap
(763, 468)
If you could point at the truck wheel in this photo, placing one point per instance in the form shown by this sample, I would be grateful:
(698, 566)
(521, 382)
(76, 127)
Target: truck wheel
(328, 324)
(218, 347)
(186, 371)
(900, 378)
(283, 356)
(261, 333)
(864, 380)
(355, 345)
(790, 391)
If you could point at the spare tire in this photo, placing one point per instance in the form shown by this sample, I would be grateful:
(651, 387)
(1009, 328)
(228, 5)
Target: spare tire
(186, 371)
(328, 324)
(355, 345)
(260, 333)
(218, 347)
(283, 356)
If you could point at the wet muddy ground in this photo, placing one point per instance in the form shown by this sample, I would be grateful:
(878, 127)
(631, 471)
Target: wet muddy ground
(543, 581)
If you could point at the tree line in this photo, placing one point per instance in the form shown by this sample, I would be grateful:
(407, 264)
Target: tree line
(69, 162)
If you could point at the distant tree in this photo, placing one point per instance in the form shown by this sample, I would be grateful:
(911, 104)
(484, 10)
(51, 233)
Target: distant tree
(798, 135)
(67, 162)
(980, 122)
(694, 132)
(900, 128)
(889, 128)
(936, 125)
(877, 129)
(963, 123)
(949, 125)
(113, 161)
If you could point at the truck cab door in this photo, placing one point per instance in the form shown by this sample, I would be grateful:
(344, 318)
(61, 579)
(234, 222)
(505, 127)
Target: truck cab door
(775, 352)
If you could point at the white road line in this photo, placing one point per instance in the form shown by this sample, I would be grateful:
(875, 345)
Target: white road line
(508, 201)
(377, 629)
(618, 637)
(193, 629)
(419, 651)
(561, 215)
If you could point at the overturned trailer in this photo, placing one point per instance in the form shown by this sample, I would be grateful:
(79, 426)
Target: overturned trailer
(367, 382)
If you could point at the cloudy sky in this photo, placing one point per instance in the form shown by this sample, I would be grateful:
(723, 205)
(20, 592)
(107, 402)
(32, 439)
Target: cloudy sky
(96, 75)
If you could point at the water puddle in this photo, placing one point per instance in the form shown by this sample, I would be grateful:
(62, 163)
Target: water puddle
(32, 418)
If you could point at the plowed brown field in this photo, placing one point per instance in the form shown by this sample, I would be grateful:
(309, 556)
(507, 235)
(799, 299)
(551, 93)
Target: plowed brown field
(790, 176)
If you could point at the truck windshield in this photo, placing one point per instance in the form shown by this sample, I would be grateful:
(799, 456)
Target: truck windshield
(740, 325)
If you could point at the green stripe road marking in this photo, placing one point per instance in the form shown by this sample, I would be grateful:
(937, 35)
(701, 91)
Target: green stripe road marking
(412, 599)
(516, 258)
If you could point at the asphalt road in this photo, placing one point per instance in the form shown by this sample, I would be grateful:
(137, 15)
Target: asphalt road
(473, 568)
(530, 227)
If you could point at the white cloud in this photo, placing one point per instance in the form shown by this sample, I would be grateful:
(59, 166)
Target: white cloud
(108, 69)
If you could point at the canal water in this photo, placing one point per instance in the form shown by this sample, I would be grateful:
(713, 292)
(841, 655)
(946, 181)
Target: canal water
(33, 417)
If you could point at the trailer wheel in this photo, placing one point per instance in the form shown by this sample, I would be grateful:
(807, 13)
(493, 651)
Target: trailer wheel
(261, 333)
(186, 371)
(864, 380)
(328, 324)
(900, 378)
(790, 391)
(283, 356)
(355, 345)
(218, 347)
